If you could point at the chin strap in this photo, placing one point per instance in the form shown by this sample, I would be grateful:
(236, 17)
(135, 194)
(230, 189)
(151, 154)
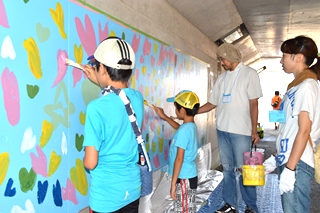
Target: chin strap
(132, 118)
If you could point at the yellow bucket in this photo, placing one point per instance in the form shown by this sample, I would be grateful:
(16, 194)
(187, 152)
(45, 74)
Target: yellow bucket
(253, 175)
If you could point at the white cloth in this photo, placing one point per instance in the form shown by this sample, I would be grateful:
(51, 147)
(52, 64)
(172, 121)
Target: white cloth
(287, 180)
(303, 97)
(244, 84)
(270, 164)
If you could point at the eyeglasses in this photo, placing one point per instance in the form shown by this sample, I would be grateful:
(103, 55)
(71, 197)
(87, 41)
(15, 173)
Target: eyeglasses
(220, 59)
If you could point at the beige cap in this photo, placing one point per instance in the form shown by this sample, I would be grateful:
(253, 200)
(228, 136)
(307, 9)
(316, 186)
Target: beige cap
(229, 52)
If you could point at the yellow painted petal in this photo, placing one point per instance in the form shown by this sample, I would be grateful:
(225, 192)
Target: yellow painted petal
(78, 177)
(161, 144)
(34, 60)
(4, 165)
(155, 48)
(78, 53)
(82, 118)
(144, 70)
(47, 129)
(58, 18)
(112, 33)
(146, 91)
(133, 82)
(154, 147)
(54, 163)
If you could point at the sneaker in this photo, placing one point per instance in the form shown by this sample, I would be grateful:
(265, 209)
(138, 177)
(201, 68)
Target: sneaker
(226, 208)
(249, 210)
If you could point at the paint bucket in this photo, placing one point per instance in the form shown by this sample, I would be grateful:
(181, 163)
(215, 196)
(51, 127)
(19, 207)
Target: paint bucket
(253, 175)
(254, 157)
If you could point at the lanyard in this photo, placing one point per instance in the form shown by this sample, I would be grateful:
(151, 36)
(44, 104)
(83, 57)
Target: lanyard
(224, 82)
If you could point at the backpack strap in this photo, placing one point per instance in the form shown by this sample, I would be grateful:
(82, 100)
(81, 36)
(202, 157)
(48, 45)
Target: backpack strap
(132, 117)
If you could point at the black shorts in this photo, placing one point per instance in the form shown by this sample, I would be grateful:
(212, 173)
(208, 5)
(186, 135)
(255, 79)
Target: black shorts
(130, 208)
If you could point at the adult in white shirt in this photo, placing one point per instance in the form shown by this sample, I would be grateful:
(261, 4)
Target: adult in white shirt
(235, 96)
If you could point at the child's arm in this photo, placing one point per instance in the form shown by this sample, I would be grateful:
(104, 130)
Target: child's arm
(90, 159)
(162, 115)
(176, 170)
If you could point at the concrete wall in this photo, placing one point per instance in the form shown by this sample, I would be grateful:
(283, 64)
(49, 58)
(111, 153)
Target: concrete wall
(159, 20)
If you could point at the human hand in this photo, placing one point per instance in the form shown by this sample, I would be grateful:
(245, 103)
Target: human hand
(255, 138)
(89, 71)
(159, 111)
(270, 164)
(173, 192)
(287, 180)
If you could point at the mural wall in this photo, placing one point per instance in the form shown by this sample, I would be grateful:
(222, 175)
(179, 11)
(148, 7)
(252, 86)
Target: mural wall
(43, 101)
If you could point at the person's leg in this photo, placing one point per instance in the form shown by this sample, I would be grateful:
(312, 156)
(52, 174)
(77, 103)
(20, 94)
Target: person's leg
(299, 200)
(186, 194)
(242, 143)
(229, 191)
(191, 194)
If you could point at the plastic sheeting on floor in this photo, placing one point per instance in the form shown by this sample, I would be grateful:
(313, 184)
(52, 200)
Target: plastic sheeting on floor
(159, 200)
(209, 191)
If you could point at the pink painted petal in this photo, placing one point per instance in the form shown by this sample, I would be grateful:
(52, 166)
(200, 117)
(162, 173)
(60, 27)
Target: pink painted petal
(171, 55)
(163, 55)
(103, 33)
(11, 96)
(168, 134)
(141, 89)
(86, 35)
(69, 193)
(39, 164)
(166, 153)
(141, 59)
(3, 15)
(156, 161)
(76, 74)
(137, 74)
(62, 67)
(154, 124)
(146, 47)
(135, 43)
(153, 61)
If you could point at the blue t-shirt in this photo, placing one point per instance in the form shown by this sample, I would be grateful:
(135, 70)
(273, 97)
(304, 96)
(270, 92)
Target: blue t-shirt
(115, 182)
(185, 138)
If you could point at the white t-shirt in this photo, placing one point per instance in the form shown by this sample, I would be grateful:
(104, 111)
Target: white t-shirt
(303, 97)
(243, 84)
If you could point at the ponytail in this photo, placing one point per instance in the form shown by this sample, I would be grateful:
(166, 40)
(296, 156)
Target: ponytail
(316, 67)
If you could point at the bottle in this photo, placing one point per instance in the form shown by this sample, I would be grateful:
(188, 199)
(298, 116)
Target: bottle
(142, 160)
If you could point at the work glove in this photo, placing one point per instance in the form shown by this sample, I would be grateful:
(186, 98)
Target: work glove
(287, 180)
(270, 164)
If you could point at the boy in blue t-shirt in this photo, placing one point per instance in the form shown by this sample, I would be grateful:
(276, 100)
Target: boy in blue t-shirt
(111, 149)
(183, 151)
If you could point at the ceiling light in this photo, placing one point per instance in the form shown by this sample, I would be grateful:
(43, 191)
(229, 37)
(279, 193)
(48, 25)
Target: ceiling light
(234, 36)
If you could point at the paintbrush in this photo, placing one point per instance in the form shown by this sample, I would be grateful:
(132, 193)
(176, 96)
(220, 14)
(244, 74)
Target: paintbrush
(74, 64)
(148, 104)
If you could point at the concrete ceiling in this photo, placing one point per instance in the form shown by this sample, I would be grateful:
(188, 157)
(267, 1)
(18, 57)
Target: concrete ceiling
(269, 22)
